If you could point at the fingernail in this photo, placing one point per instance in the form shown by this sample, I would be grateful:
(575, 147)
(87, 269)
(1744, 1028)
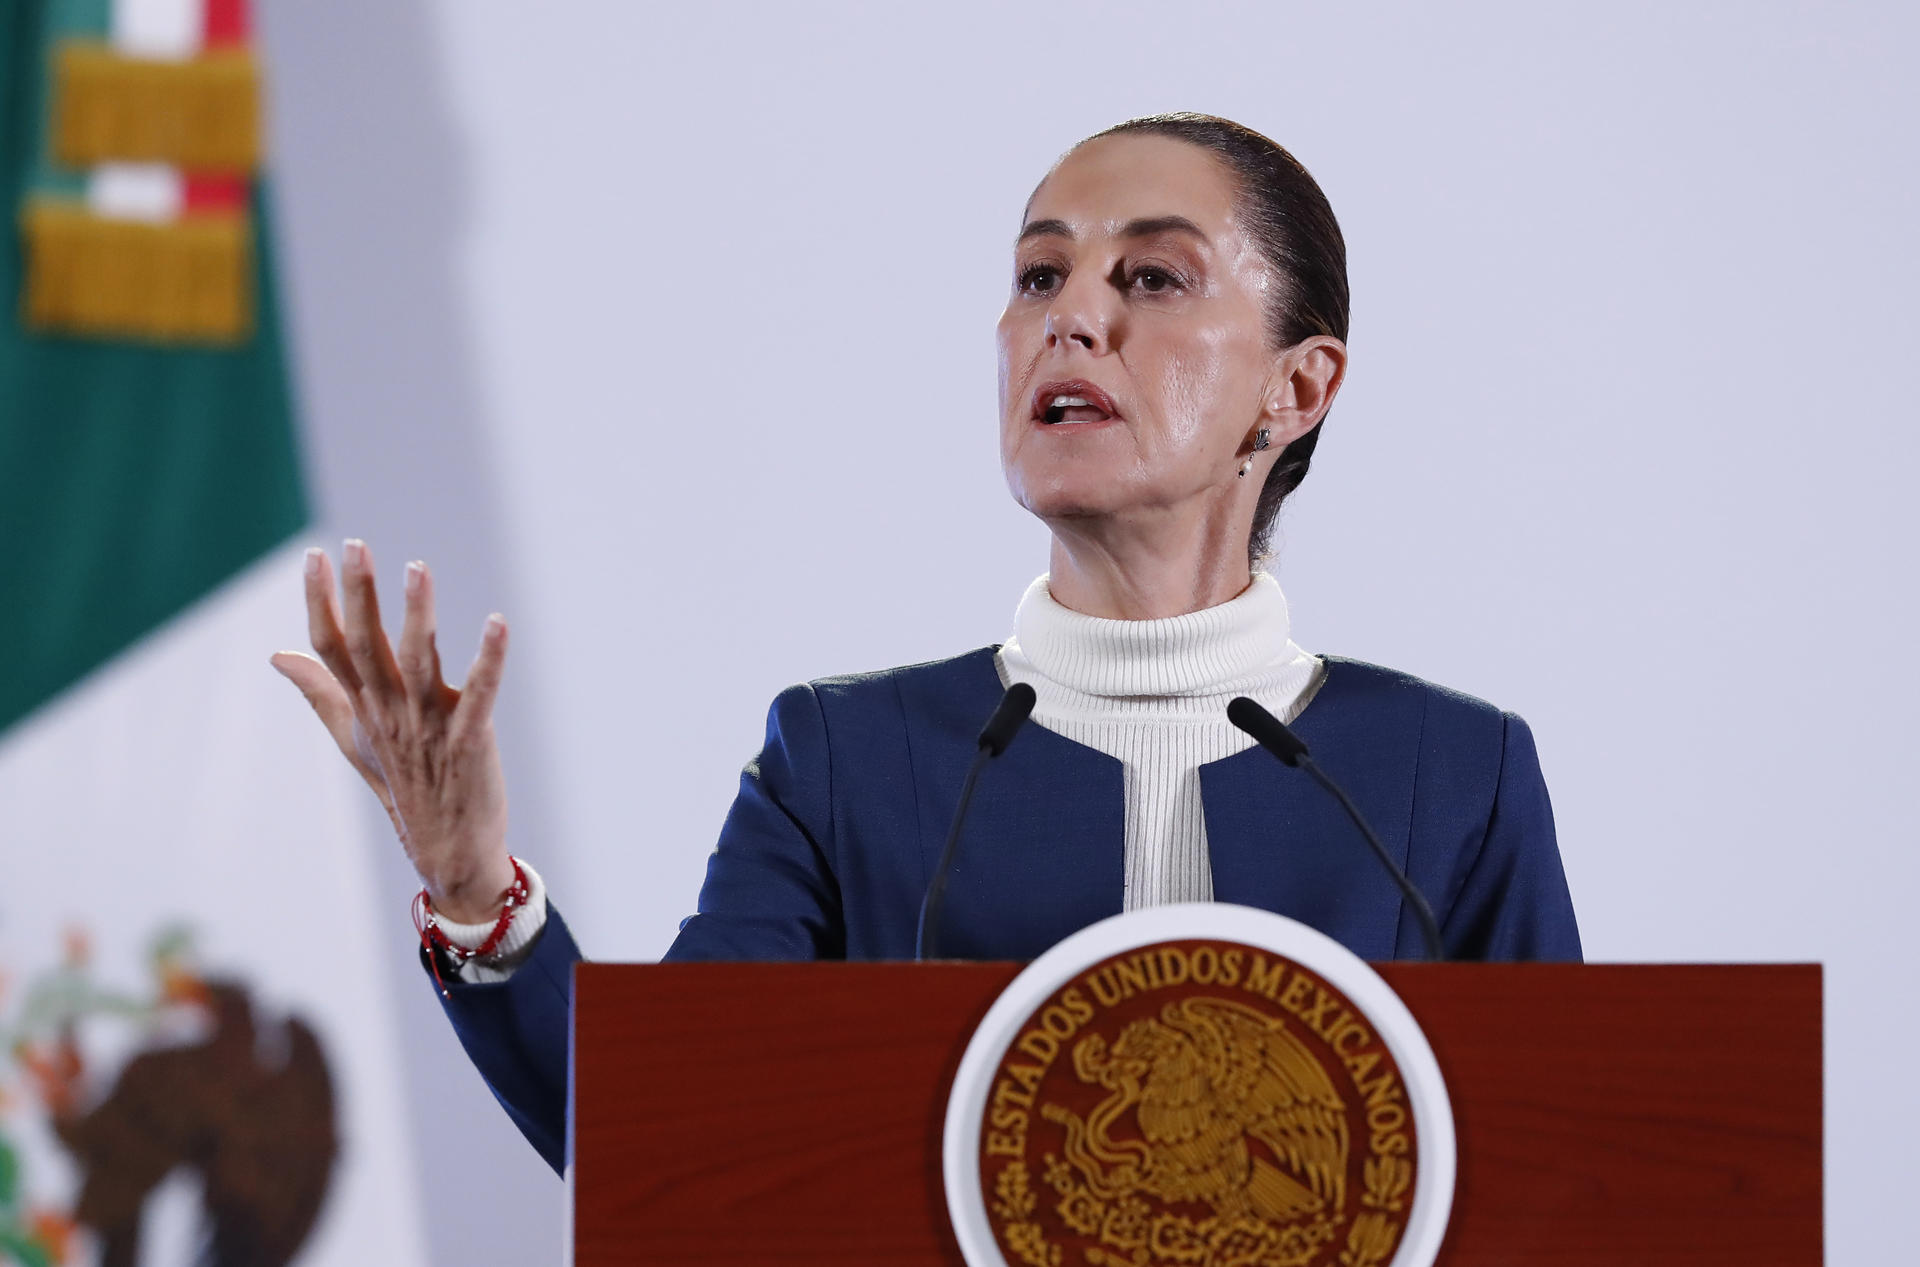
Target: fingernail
(314, 555)
(496, 625)
(354, 551)
(416, 572)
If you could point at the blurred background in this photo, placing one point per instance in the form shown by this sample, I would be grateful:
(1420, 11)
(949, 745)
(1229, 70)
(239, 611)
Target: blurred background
(667, 331)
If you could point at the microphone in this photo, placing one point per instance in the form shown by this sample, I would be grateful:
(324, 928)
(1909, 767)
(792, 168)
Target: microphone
(1268, 732)
(999, 731)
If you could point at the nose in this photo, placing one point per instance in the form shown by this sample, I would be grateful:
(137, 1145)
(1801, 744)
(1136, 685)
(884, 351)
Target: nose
(1077, 316)
(1070, 329)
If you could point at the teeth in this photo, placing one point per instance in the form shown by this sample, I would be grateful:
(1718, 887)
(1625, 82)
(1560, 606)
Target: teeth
(1069, 402)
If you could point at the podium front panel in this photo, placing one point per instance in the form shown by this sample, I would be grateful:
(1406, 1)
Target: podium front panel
(1606, 1114)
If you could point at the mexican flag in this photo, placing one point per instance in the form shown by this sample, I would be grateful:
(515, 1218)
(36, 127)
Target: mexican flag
(195, 1054)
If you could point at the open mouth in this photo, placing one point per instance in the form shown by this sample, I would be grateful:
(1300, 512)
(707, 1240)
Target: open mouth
(1056, 403)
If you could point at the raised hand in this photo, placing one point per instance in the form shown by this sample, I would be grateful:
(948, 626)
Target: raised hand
(426, 749)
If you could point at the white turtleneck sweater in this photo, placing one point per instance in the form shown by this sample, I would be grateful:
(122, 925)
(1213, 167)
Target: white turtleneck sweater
(1152, 693)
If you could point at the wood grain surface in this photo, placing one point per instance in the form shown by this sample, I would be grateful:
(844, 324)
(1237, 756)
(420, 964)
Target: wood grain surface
(1607, 1114)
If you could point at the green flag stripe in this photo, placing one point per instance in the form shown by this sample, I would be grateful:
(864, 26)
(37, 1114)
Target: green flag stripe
(133, 479)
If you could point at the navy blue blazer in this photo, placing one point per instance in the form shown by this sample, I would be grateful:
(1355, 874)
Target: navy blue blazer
(841, 818)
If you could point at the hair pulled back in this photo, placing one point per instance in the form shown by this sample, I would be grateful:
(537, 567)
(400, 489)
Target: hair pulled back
(1292, 223)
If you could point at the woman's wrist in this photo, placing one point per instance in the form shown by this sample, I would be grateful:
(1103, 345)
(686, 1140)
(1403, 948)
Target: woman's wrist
(484, 951)
(477, 898)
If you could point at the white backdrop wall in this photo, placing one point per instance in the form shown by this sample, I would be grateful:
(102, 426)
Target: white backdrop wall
(668, 331)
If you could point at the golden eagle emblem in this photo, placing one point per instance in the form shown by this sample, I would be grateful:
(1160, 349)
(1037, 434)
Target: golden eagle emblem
(1198, 1103)
(1206, 1080)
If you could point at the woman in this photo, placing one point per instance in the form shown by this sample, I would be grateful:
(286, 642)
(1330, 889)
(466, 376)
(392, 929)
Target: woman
(1171, 346)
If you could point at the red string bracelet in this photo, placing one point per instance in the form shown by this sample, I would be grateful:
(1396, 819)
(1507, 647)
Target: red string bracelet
(434, 939)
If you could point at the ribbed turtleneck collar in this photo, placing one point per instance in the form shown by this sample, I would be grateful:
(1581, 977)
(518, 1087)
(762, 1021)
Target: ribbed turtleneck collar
(1200, 653)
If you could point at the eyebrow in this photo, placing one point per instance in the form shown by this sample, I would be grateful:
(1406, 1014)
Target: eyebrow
(1142, 228)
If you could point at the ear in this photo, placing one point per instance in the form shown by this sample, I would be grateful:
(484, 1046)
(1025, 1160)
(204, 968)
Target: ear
(1305, 378)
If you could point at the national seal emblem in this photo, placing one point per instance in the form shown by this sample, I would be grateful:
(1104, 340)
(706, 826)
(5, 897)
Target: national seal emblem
(1199, 1086)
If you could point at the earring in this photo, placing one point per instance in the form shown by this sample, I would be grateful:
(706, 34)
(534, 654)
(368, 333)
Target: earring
(1262, 440)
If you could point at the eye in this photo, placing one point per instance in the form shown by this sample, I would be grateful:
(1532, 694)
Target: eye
(1153, 279)
(1039, 279)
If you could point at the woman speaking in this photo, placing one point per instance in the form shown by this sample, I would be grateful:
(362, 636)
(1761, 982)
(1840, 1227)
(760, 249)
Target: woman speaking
(1172, 342)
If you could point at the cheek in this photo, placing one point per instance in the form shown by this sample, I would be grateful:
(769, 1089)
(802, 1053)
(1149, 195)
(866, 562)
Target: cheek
(1007, 343)
(1016, 338)
(1203, 391)
(1006, 358)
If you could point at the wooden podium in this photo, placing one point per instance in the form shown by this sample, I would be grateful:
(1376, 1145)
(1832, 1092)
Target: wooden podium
(761, 1113)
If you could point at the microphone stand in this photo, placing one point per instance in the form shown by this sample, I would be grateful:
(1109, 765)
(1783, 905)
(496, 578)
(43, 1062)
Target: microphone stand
(1269, 732)
(1011, 714)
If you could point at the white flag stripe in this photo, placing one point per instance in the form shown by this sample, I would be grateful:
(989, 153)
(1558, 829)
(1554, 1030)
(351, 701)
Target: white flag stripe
(165, 29)
(154, 192)
(186, 783)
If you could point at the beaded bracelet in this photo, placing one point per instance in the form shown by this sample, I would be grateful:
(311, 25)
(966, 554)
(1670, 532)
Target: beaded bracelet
(434, 939)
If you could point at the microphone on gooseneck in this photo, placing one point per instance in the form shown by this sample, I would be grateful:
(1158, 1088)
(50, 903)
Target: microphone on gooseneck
(1270, 734)
(1007, 719)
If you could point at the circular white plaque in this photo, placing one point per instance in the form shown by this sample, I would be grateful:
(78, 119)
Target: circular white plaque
(1258, 931)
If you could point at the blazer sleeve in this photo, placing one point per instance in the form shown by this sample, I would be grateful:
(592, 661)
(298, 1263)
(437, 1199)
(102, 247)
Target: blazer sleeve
(771, 892)
(516, 1031)
(1514, 902)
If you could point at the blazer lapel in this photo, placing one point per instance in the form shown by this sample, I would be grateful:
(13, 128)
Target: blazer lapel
(1040, 856)
(1280, 842)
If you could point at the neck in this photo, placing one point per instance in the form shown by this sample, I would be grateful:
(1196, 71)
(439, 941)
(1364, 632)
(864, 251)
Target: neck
(1124, 571)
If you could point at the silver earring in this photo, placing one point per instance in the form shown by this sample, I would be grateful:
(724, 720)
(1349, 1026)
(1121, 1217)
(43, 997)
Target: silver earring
(1262, 440)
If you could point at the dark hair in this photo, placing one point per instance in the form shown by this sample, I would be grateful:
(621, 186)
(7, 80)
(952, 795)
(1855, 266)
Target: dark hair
(1292, 222)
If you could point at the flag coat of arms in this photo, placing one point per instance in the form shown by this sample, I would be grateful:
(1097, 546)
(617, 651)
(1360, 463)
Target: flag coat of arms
(197, 1060)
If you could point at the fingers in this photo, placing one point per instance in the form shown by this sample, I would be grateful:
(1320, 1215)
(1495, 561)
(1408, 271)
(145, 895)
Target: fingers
(358, 673)
(367, 646)
(475, 710)
(323, 622)
(327, 697)
(419, 659)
